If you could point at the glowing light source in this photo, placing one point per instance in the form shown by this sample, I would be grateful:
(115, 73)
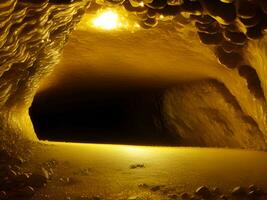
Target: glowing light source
(142, 4)
(107, 20)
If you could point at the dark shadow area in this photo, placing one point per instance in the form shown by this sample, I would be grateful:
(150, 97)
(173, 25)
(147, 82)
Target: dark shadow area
(253, 81)
(101, 116)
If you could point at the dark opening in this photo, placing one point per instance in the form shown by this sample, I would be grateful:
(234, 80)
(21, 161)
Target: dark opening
(101, 116)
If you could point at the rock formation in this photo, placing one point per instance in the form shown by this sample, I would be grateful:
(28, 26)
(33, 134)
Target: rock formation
(32, 37)
(227, 109)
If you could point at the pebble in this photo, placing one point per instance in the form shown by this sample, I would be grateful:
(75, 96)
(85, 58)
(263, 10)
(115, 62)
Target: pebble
(238, 191)
(19, 160)
(3, 195)
(224, 197)
(253, 195)
(11, 173)
(27, 191)
(45, 173)
(252, 187)
(134, 166)
(216, 191)
(133, 198)
(203, 191)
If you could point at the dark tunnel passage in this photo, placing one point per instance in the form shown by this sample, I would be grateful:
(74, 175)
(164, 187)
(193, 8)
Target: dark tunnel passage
(101, 116)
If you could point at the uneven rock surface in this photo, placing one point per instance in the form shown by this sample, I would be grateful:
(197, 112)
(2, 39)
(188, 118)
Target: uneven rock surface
(33, 34)
(227, 39)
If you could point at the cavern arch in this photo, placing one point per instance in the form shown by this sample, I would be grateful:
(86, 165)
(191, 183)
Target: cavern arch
(221, 44)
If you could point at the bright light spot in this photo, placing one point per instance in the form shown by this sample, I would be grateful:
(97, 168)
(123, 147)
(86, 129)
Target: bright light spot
(107, 20)
(141, 4)
(161, 16)
(134, 150)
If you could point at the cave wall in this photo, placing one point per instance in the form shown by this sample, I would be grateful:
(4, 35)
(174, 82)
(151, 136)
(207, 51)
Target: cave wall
(228, 112)
(205, 113)
(32, 37)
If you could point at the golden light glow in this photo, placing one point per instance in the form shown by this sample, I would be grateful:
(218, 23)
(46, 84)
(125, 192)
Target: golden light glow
(141, 4)
(108, 20)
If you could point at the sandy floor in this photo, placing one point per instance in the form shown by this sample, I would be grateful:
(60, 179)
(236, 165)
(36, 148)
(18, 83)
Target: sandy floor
(110, 171)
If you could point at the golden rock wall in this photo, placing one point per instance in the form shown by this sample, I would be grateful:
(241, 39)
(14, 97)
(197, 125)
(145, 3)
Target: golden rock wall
(32, 36)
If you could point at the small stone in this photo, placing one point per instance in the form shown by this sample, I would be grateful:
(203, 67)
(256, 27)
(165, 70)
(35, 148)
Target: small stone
(238, 191)
(3, 195)
(140, 165)
(11, 173)
(133, 198)
(216, 191)
(20, 160)
(203, 191)
(67, 180)
(45, 173)
(47, 196)
(224, 197)
(185, 196)
(134, 166)
(27, 191)
(155, 188)
(252, 187)
(253, 195)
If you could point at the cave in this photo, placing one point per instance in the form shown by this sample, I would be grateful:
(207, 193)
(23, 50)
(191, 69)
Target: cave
(133, 99)
(124, 116)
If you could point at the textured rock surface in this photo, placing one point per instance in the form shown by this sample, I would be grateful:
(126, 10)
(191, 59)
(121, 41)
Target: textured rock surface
(32, 36)
(205, 113)
(228, 112)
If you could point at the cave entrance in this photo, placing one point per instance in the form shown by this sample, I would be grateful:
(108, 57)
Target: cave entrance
(101, 116)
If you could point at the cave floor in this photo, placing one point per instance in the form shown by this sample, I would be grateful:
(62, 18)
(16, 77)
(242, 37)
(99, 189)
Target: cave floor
(123, 172)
